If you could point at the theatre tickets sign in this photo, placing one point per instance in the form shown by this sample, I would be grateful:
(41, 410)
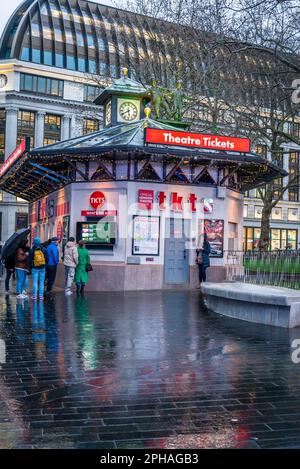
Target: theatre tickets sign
(196, 140)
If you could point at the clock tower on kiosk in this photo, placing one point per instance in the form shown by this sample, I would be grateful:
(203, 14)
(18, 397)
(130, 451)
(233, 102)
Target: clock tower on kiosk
(124, 101)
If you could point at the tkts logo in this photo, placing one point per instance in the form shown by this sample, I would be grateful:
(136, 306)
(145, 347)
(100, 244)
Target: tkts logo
(175, 203)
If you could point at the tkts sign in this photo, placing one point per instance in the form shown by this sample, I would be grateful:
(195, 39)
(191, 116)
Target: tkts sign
(195, 140)
(176, 203)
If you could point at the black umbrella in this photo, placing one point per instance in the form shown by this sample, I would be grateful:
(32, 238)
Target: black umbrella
(13, 242)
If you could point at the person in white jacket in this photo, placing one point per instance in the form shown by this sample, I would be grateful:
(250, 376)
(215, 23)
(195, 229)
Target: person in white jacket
(70, 263)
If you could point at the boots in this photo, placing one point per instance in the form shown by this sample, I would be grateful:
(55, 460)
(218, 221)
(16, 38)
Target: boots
(78, 289)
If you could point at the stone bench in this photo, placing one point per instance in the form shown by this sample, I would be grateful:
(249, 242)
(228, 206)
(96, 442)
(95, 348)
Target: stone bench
(274, 306)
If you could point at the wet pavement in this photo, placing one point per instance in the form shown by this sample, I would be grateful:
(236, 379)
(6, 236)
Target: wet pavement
(143, 370)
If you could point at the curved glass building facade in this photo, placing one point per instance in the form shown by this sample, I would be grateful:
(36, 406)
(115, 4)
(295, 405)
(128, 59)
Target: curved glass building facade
(77, 35)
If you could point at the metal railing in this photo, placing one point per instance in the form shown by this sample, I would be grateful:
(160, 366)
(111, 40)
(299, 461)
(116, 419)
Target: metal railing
(281, 268)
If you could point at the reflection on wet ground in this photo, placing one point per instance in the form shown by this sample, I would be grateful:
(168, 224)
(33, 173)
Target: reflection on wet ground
(143, 370)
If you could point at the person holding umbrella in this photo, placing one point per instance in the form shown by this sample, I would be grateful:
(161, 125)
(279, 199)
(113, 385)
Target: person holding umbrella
(8, 253)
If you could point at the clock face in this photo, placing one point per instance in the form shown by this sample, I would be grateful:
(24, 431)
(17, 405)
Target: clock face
(3, 80)
(108, 113)
(128, 111)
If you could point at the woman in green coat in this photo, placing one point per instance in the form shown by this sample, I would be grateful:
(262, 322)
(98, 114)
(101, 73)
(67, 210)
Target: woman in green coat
(81, 275)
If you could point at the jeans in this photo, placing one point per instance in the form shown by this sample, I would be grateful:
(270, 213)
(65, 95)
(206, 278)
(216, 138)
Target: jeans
(202, 273)
(22, 280)
(9, 273)
(38, 280)
(69, 277)
(51, 275)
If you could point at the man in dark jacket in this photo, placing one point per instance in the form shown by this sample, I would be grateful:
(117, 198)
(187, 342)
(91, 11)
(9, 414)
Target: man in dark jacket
(202, 259)
(53, 260)
(10, 263)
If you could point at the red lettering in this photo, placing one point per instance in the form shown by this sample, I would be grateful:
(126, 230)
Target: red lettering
(176, 202)
(161, 200)
(192, 201)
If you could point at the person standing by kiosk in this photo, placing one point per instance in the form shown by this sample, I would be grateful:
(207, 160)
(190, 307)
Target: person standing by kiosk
(53, 260)
(22, 269)
(70, 260)
(202, 259)
(82, 268)
(38, 260)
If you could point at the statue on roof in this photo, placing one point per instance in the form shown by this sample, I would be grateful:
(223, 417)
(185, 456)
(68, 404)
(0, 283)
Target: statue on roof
(159, 99)
(177, 96)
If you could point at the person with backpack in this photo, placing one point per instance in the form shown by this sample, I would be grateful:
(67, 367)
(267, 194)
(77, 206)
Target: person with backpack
(82, 268)
(70, 260)
(38, 259)
(22, 269)
(53, 261)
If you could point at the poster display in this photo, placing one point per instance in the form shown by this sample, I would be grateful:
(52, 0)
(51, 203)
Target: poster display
(145, 236)
(215, 234)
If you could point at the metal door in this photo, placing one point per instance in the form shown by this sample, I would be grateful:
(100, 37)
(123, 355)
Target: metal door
(176, 253)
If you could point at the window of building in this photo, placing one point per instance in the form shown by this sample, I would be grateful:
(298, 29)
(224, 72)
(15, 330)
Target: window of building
(48, 58)
(257, 212)
(283, 239)
(292, 214)
(262, 150)
(277, 188)
(91, 92)
(59, 60)
(52, 129)
(71, 62)
(26, 126)
(90, 125)
(294, 129)
(251, 237)
(25, 54)
(279, 238)
(81, 64)
(277, 158)
(2, 135)
(21, 220)
(36, 56)
(41, 85)
(92, 66)
(293, 178)
(245, 211)
(277, 213)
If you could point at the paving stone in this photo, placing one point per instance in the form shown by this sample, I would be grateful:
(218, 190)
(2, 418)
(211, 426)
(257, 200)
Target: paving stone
(144, 370)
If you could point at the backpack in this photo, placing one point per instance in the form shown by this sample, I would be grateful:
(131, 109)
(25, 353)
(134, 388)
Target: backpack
(38, 258)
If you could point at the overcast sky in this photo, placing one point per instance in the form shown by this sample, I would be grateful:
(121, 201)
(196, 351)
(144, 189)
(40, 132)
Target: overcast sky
(9, 7)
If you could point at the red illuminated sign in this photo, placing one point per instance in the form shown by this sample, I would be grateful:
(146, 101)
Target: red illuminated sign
(97, 199)
(59, 231)
(16, 154)
(95, 213)
(145, 199)
(195, 140)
